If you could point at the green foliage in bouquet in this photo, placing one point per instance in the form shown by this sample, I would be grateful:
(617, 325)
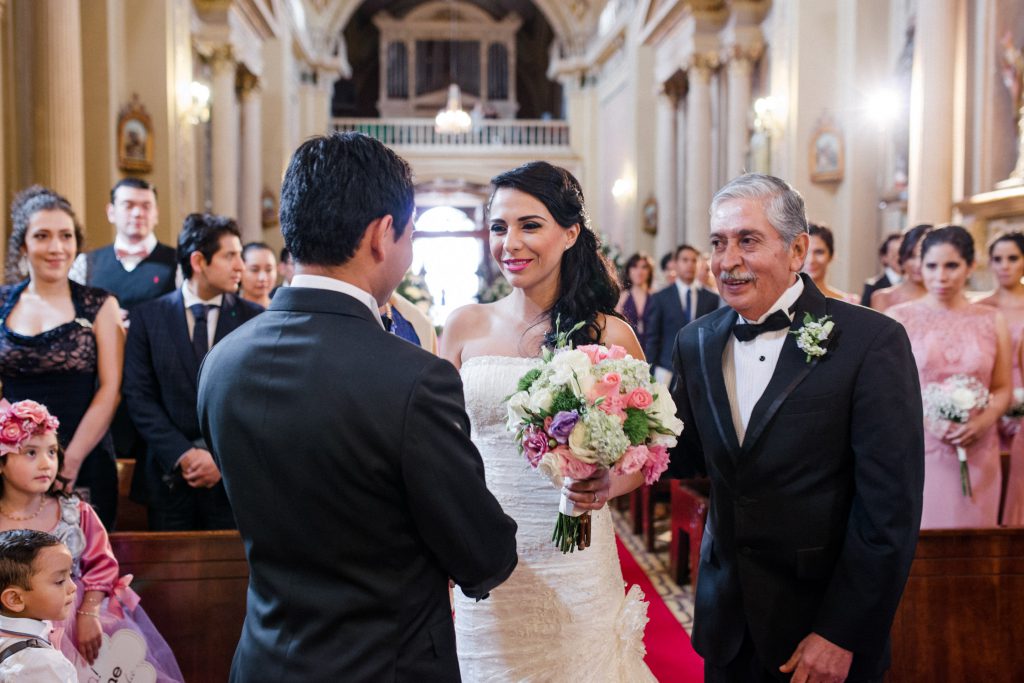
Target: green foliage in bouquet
(636, 426)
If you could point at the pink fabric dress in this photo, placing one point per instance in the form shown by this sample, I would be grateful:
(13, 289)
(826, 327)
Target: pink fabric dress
(1013, 508)
(1009, 426)
(947, 343)
(96, 568)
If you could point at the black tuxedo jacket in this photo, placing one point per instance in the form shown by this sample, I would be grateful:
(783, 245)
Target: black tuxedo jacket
(664, 316)
(346, 455)
(161, 374)
(814, 518)
(873, 285)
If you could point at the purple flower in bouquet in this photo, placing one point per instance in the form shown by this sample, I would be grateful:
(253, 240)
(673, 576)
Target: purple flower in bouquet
(535, 444)
(562, 424)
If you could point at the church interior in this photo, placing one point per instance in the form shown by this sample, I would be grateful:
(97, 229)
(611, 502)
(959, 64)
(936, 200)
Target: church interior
(883, 114)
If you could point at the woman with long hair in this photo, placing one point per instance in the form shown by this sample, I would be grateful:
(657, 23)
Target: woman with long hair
(558, 617)
(637, 279)
(1006, 261)
(911, 287)
(820, 253)
(951, 338)
(61, 343)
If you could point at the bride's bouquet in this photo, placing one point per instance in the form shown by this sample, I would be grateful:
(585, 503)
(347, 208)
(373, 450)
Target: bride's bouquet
(954, 399)
(586, 408)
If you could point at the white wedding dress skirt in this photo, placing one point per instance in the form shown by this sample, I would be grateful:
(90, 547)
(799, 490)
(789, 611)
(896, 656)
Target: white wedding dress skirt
(558, 617)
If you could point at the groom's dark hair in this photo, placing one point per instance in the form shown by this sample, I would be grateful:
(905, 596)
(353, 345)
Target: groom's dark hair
(335, 186)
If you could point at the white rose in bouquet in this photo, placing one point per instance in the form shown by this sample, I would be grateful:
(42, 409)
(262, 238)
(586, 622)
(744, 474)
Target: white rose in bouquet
(963, 398)
(516, 408)
(566, 365)
(541, 400)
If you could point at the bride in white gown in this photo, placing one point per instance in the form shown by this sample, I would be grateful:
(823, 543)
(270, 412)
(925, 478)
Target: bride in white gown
(558, 617)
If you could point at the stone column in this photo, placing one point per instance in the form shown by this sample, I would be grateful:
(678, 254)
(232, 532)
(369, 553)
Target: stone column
(59, 128)
(698, 147)
(930, 173)
(251, 186)
(738, 133)
(666, 168)
(224, 122)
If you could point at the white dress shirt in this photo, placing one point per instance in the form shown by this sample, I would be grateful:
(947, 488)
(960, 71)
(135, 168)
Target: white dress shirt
(79, 269)
(212, 315)
(688, 293)
(748, 366)
(894, 277)
(335, 285)
(33, 663)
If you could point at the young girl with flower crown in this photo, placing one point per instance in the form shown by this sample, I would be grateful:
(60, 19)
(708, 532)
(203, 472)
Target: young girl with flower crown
(31, 498)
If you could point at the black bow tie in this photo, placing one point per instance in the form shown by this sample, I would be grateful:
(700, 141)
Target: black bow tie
(776, 321)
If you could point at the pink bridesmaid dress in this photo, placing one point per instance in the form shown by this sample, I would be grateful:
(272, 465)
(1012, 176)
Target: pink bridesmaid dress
(1013, 508)
(947, 343)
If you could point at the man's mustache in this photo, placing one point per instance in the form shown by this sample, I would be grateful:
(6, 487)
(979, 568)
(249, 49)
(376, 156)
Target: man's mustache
(735, 275)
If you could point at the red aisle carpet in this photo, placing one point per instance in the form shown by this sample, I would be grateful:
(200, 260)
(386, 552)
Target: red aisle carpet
(669, 654)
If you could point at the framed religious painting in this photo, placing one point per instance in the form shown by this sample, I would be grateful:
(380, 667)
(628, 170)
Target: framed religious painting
(134, 138)
(650, 210)
(268, 208)
(825, 156)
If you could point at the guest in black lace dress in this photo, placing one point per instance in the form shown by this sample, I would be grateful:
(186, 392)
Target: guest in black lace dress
(61, 343)
(637, 278)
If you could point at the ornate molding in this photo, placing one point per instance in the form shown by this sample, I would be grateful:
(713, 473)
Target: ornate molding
(743, 53)
(703, 63)
(246, 83)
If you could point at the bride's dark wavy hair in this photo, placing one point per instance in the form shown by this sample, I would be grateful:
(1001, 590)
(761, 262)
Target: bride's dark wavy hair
(587, 285)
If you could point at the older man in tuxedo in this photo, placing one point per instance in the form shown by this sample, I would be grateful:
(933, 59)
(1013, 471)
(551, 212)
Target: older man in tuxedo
(348, 462)
(816, 484)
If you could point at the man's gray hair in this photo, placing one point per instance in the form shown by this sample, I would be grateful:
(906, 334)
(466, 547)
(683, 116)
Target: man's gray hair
(783, 206)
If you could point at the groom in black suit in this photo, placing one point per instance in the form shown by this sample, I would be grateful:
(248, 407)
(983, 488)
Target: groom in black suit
(345, 450)
(816, 484)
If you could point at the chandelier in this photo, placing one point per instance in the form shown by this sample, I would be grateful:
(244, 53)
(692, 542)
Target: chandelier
(453, 119)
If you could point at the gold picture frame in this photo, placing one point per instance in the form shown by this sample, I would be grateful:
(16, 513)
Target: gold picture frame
(134, 138)
(650, 212)
(826, 157)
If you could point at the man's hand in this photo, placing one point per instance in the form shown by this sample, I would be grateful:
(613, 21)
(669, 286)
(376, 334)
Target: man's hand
(198, 468)
(817, 660)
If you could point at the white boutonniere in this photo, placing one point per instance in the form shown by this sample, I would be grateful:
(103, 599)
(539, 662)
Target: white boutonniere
(84, 322)
(812, 337)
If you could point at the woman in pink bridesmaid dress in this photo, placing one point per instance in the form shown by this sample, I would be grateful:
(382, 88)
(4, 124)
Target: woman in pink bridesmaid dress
(951, 336)
(1006, 260)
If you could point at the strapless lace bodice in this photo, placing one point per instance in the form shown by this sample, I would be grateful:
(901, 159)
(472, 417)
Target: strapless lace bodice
(558, 617)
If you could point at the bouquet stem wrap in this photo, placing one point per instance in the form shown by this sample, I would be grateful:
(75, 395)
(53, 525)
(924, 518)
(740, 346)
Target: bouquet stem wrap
(965, 474)
(572, 528)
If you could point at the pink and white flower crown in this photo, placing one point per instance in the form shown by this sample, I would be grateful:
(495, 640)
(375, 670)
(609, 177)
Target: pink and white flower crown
(22, 421)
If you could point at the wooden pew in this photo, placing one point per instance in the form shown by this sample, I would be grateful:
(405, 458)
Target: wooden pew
(962, 613)
(689, 514)
(131, 516)
(192, 586)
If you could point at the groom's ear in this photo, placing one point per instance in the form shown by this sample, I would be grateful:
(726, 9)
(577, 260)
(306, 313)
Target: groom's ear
(379, 235)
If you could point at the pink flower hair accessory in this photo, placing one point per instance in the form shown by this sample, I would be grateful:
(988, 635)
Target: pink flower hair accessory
(21, 422)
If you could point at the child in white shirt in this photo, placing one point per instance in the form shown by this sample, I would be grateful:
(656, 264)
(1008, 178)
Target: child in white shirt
(35, 588)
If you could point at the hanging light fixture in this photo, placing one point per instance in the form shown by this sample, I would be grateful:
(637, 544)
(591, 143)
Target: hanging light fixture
(453, 119)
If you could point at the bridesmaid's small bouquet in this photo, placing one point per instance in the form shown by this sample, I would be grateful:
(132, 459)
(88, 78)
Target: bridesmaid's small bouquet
(1016, 409)
(954, 399)
(586, 408)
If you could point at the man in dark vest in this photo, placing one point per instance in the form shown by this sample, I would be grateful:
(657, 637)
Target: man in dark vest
(136, 268)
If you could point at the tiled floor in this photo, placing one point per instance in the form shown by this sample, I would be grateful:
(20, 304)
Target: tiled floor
(678, 599)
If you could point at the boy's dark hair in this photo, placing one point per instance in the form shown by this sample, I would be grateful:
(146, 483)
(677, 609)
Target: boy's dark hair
(335, 186)
(202, 232)
(18, 550)
(137, 183)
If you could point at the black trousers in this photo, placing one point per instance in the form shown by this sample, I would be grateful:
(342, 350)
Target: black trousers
(97, 482)
(748, 668)
(176, 506)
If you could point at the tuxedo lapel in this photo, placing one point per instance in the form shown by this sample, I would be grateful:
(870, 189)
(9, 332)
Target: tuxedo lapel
(792, 367)
(180, 337)
(711, 341)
